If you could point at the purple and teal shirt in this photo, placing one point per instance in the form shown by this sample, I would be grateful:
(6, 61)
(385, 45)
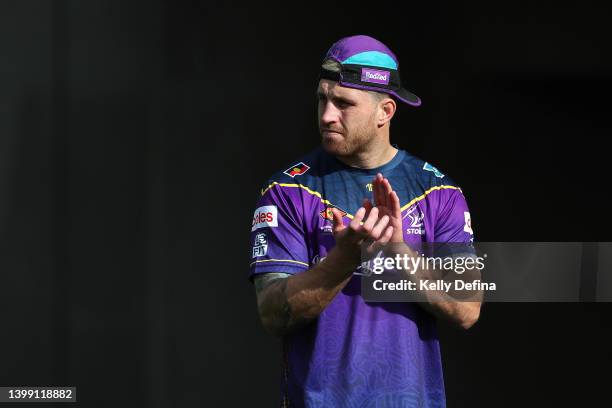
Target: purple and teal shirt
(356, 354)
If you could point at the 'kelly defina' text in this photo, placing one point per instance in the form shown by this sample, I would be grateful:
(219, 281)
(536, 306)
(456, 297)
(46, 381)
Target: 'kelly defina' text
(439, 285)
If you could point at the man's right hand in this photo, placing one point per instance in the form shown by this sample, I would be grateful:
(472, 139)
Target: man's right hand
(285, 304)
(371, 234)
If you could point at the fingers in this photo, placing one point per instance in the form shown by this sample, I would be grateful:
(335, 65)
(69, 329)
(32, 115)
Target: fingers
(355, 224)
(382, 189)
(371, 232)
(338, 225)
(367, 204)
(386, 191)
(378, 191)
(379, 227)
(384, 194)
(394, 205)
(368, 225)
(375, 190)
(374, 226)
(386, 236)
(379, 243)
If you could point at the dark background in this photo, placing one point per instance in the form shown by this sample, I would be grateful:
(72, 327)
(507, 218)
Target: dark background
(134, 137)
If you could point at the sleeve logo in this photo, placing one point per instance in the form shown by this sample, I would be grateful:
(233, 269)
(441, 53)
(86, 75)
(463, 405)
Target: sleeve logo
(297, 169)
(265, 216)
(468, 223)
(431, 168)
(260, 246)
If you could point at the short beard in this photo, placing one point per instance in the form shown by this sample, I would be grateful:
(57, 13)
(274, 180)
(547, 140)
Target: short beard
(359, 141)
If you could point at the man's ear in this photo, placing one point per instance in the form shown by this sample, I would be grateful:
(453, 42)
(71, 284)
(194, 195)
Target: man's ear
(386, 110)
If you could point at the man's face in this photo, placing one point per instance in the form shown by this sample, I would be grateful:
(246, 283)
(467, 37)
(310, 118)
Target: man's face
(346, 118)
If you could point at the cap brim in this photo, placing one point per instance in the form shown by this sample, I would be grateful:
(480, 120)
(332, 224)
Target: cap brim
(401, 94)
(406, 97)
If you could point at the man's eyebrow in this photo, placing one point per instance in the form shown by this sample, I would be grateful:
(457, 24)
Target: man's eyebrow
(343, 99)
(334, 97)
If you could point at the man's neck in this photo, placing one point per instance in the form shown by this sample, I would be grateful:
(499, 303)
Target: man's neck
(371, 158)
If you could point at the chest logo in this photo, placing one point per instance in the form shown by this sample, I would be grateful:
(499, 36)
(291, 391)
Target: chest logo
(297, 169)
(328, 215)
(415, 221)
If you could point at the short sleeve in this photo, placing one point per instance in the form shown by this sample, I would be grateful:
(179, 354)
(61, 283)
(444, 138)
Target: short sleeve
(278, 235)
(453, 223)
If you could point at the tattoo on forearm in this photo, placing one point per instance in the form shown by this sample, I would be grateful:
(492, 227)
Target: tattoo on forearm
(273, 303)
(262, 281)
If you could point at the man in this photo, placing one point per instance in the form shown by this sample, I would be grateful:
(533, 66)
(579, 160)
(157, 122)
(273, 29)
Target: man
(308, 231)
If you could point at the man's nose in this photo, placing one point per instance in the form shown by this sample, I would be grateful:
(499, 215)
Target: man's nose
(329, 113)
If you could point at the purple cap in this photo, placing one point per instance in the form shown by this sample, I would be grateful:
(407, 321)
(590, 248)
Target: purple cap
(368, 64)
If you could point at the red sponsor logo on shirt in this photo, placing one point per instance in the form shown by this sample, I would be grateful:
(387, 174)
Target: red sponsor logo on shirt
(265, 216)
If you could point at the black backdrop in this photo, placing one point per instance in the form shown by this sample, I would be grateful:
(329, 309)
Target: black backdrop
(134, 137)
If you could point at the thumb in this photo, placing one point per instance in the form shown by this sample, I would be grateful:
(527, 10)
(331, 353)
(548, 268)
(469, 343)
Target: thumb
(337, 220)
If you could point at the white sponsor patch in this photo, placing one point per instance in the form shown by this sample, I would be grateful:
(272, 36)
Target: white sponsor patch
(468, 223)
(265, 216)
(260, 246)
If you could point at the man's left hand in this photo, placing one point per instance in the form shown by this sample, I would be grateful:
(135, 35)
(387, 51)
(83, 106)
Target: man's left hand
(387, 202)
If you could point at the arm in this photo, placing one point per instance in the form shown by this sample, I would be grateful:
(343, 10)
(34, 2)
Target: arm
(286, 301)
(448, 306)
(462, 313)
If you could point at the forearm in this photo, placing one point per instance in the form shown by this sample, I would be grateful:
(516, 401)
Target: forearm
(287, 303)
(463, 314)
(459, 307)
(451, 307)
